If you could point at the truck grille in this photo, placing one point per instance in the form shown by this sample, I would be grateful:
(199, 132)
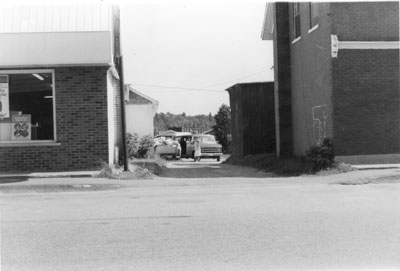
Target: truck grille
(210, 150)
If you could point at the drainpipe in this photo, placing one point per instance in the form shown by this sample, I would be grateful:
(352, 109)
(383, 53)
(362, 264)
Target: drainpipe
(123, 117)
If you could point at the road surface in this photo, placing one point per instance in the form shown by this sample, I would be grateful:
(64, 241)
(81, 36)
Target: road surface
(207, 224)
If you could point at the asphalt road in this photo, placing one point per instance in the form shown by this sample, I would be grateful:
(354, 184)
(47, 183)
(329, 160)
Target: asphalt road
(246, 224)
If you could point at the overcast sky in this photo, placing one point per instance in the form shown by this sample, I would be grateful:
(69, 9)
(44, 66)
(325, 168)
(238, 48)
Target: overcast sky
(186, 53)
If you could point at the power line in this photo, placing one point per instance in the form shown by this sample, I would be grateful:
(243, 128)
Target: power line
(245, 76)
(182, 88)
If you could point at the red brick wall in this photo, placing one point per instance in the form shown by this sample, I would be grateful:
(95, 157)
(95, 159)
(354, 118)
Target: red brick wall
(366, 92)
(81, 121)
(367, 102)
(311, 80)
(282, 82)
(366, 21)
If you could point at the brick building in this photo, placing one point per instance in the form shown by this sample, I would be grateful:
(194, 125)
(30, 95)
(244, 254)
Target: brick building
(252, 118)
(59, 87)
(337, 76)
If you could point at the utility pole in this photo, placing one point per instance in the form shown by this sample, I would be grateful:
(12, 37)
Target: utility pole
(123, 117)
(120, 67)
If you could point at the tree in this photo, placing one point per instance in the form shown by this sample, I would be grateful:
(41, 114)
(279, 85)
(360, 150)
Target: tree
(222, 127)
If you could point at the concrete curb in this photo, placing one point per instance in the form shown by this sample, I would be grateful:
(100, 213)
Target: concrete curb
(71, 174)
(376, 166)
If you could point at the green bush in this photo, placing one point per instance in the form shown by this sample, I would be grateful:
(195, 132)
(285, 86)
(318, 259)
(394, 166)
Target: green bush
(145, 144)
(321, 157)
(132, 144)
(138, 147)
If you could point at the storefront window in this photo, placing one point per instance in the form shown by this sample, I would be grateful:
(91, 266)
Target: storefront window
(27, 106)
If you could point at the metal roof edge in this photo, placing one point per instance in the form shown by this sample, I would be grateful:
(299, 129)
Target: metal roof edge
(153, 101)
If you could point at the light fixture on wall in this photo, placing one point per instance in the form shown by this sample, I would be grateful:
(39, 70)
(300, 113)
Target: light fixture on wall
(48, 97)
(38, 76)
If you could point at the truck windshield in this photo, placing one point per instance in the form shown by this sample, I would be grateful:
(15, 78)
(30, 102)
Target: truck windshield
(207, 139)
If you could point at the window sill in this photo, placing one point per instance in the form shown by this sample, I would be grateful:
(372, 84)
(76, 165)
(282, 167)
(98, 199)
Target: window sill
(28, 143)
(296, 40)
(315, 27)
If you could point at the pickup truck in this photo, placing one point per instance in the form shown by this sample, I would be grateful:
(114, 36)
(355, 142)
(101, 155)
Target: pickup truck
(167, 145)
(209, 147)
(181, 145)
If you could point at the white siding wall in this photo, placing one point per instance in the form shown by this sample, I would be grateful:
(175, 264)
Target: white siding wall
(110, 113)
(54, 18)
(139, 119)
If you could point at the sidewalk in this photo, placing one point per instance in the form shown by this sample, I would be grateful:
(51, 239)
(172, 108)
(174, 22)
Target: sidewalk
(376, 166)
(49, 174)
(22, 185)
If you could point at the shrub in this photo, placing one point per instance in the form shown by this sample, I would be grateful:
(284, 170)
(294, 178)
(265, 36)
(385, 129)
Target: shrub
(321, 157)
(132, 144)
(138, 147)
(145, 144)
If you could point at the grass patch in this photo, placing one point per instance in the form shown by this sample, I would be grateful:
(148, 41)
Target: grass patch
(336, 169)
(135, 172)
(154, 166)
(285, 166)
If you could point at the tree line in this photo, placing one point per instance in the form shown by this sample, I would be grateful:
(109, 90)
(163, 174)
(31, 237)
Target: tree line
(165, 121)
(220, 122)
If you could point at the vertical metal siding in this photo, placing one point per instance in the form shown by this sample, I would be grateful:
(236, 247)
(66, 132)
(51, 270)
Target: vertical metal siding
(258, 118)
(236, 120)
(54, 18)
(253, 118)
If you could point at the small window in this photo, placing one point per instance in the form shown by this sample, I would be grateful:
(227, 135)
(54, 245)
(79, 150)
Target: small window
(27, 106)
(314, 17)
(296, 20)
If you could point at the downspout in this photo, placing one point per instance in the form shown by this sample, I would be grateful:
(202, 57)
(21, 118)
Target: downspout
(123, 117)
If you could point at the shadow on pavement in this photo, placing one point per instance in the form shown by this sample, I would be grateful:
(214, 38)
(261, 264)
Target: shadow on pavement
(214, 171)
(43, 188)
(4, 180)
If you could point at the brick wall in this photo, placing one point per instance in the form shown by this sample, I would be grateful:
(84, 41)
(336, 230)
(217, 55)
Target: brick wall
(81, 121)
(282, 79)
(366, 82)
(367, 102)
(311, 80)
(366, 21)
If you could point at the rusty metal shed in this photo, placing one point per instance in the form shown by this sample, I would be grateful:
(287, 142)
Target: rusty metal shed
(252, 118)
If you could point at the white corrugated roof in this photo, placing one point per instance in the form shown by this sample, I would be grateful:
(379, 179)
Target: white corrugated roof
(54, 18)
(52, 35)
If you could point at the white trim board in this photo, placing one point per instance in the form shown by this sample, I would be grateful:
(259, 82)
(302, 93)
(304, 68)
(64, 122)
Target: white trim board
(337, 45)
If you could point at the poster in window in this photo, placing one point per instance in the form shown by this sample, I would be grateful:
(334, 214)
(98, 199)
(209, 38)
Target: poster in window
(21, 127)
(4, 97)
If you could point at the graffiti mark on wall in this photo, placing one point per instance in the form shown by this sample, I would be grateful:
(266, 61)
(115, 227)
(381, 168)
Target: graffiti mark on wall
(319, 114)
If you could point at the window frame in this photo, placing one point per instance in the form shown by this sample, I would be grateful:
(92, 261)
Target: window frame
(313, 25)
(296, 13)
(35, 142)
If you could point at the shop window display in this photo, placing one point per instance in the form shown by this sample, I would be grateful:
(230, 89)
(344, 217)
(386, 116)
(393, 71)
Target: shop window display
(26, 106)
